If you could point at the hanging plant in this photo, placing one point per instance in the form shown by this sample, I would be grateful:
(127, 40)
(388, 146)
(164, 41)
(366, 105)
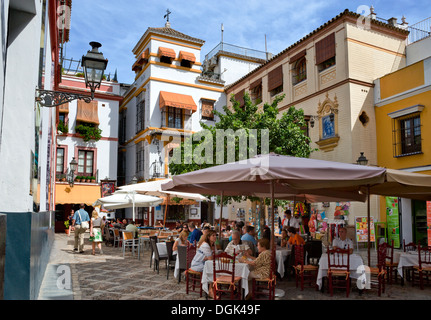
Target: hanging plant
(89, 132)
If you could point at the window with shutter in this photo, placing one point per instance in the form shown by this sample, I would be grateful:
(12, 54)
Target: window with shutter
(239, 96)
(325, 52)
(207, 109)
(275, 81)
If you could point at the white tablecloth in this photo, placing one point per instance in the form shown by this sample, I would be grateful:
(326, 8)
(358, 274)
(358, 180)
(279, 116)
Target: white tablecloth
(407, 259)
(281, 256)
(241, 270)
(355, 262)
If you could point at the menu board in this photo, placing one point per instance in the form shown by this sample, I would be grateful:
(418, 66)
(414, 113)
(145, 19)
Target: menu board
(393, 220)
(429, 222)
(361, 224)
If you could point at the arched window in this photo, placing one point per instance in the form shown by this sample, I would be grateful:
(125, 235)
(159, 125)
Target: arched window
(300, 71)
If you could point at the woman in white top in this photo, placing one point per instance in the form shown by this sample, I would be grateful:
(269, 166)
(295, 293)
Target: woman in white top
(180, 241)
(96, 226)
(204, 253)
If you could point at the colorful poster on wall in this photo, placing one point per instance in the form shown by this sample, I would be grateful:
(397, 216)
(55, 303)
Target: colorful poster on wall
(361, 224)
(429, 222)
(393, 220)
(107, 188)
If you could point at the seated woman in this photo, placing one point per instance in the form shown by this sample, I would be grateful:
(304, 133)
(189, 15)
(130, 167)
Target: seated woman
(284, 238)
(204, 252)
(261, 266)
(180, 241)
(235, 245)
(294, 238)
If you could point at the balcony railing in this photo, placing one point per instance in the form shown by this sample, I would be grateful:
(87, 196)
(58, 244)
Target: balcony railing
(419, 31)
(222, 46)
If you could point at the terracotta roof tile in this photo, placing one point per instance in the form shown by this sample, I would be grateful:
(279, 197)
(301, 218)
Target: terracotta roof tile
(174, 33)
(346, 12)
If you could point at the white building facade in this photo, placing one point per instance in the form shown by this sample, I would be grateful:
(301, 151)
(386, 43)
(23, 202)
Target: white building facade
(172, 93)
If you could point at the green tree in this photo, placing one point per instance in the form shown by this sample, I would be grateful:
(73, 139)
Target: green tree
(286, 135)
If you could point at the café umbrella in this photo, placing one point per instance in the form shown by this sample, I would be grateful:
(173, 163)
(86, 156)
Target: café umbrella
(120, 200)
(277, 176)
(153, 188)
(274, 175)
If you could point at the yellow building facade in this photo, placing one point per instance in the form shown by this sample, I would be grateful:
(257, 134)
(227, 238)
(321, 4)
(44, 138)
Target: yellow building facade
(403, 131)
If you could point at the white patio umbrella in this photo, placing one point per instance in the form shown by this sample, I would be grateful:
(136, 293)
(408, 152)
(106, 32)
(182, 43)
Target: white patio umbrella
(120, 200)
(153, 188)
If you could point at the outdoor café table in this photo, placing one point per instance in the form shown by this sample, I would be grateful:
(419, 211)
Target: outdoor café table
(355, 262)
(281, 254)
(407, 259)
(241, 270)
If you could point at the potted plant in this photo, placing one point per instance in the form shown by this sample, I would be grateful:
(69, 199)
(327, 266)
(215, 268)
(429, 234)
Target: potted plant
(66, 225)
(57, 177)
(93, 179)
(87, 179)
(89, 132)
(62, 127)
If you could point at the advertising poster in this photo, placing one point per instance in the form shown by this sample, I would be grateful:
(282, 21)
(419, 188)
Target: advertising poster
(361, 224)
(429, 222)
(393, 220)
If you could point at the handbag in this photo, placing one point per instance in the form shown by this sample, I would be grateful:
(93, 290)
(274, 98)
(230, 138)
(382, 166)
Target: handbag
(84, 224)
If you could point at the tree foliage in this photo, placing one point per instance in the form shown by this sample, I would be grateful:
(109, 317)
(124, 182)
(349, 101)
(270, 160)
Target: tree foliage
(286, 135)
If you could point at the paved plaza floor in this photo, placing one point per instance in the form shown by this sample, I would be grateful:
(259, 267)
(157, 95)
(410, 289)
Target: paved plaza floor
(112, 277)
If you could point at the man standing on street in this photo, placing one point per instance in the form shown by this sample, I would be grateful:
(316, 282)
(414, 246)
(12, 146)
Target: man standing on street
(79, 217)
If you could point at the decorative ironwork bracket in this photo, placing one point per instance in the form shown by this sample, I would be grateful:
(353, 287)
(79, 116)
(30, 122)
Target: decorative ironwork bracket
(48, 98)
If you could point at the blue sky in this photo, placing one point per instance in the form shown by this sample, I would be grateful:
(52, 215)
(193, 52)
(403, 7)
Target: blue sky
(118, 25)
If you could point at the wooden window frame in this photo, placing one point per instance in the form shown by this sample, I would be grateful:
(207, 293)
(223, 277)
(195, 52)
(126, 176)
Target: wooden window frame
(86, 149)
(177, 113)
(64, 147)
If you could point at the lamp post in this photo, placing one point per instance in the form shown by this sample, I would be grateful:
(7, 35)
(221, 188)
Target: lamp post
(72, 167)
(363, 161)
(93, 64)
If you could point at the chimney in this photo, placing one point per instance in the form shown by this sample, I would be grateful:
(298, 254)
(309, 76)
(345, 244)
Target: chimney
(393, 22)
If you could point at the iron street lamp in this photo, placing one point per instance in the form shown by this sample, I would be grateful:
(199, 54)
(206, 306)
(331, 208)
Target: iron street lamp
(93, 64)
(72, 167)
(362, 160)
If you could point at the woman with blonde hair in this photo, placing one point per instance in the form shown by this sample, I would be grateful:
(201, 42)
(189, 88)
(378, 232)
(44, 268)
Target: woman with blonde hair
(180, 241)
(96, 226)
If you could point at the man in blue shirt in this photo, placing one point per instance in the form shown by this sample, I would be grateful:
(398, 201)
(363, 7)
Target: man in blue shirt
(195, 234)
(249, 235)
(79, 217)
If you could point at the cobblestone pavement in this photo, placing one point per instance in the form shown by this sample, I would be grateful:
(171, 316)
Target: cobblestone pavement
(112, 277)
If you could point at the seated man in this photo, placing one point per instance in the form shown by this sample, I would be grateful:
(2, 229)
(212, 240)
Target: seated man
(343, 242)
(249, 235)
(195, 234)
(294, 238)
(132, 227)
(235, 244)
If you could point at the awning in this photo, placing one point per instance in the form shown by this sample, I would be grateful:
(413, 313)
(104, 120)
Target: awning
(63, 108)
(166, 52)
(87, 112)
(87, 194)
(187, 56)
(143, 58)
(176, 100)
